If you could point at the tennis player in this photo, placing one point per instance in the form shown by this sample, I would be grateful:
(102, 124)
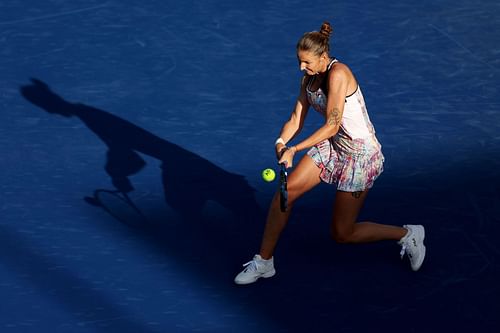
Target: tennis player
(344, 151)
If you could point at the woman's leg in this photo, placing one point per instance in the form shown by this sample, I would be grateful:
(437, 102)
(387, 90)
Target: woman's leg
(344, 228)
(303, 178)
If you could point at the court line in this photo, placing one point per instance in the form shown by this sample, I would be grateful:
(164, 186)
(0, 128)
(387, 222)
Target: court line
(39, 18)
(461, 46)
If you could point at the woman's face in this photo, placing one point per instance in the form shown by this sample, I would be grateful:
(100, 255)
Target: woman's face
(311, 63)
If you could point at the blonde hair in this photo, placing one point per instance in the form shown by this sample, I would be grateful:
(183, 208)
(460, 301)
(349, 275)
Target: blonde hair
(317, 42)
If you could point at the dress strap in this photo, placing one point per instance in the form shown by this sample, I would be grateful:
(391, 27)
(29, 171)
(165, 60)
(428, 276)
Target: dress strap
(334, 60)
(311, 80)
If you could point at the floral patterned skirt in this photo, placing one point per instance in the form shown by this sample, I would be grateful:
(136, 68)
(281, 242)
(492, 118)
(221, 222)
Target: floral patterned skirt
(351, 164)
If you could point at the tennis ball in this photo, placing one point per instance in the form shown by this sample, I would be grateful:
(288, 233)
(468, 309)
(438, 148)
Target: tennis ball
(268, 175)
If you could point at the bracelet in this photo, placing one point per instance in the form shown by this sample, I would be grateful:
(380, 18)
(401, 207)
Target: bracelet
(279, 140)
(282, 151)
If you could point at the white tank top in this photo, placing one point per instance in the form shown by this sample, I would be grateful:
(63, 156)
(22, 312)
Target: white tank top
(355, 122)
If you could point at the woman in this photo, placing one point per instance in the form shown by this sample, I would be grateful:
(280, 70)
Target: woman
(343, 151)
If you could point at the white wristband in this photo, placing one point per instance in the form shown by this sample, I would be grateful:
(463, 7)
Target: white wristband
(279, 140)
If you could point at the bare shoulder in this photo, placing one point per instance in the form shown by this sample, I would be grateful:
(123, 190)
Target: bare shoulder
(303, 87)
(304, 82)
(340, 72)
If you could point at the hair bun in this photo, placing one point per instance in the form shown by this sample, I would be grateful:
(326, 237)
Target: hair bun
(326, 29)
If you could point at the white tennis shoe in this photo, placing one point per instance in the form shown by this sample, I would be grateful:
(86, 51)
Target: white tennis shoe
(255, 269)
(413, 245)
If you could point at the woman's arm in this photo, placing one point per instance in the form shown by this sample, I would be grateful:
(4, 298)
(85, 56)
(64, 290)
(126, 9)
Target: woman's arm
(294, 125)
(338, 82)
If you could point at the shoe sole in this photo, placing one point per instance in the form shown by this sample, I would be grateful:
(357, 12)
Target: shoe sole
(417, 266)
(422, 257)
(265, 275)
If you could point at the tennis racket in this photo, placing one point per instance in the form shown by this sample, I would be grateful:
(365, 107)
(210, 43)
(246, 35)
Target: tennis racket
(119, 205)
(283, 188)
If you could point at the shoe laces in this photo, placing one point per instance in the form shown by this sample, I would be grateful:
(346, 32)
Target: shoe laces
(407, 249)
(403, 250)
(251, 266)
(404, 246)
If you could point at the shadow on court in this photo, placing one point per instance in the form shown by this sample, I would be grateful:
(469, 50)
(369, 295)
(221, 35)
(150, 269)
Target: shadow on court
(318, 286)
(78, 295)
(197, 240)
(189, 180)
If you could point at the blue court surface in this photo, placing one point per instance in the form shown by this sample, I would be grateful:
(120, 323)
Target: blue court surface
(180, 103)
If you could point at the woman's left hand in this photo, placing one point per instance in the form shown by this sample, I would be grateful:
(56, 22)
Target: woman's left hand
(287, 156)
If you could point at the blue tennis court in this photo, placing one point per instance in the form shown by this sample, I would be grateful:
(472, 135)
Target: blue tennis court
(180, 103)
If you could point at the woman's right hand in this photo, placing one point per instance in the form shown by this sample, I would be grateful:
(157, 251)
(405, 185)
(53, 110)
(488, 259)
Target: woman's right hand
(280, 149)
(287, 154)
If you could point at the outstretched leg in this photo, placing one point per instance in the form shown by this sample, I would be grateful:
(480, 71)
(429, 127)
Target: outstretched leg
(344, 228)
(303, 178)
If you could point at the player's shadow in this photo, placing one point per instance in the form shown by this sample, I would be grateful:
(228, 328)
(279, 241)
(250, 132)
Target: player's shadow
(188, 179)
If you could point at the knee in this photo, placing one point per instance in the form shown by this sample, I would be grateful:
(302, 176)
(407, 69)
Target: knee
(342, 236)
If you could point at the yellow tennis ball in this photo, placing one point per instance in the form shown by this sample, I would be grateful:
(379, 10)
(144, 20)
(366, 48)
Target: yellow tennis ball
(268, 175)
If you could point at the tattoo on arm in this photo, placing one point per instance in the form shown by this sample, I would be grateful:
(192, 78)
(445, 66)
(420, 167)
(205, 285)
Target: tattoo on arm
(334, 118)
